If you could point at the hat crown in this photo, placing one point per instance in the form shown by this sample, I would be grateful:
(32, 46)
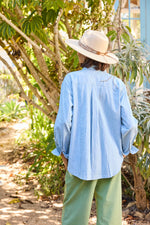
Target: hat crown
(94, 45)
(96, 40)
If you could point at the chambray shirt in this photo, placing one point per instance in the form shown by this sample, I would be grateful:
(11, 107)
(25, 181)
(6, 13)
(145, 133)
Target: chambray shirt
(94, 127)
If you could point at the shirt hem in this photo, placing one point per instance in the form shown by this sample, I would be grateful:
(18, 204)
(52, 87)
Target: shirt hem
(96, 177)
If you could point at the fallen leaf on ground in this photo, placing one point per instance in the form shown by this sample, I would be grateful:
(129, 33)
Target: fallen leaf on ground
(14, 201)
(129, 217)
(11, 175)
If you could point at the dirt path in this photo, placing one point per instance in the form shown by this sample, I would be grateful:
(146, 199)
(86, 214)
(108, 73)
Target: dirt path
(18, 203)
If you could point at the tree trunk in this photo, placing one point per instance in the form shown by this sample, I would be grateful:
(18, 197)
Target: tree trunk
(140, 192)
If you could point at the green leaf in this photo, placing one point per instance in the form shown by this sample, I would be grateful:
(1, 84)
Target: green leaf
(4, 31)
(53, 4)
(1, 28)
(33, 26)
(119, 72)
(127, 76)
(1, 2)
(51, 16)
(8, 31)
(113, 37)
(24, 24)
(141, 77)
(125, 36)
(133, 75)
(138, 140)
(129, 28)
(27, 28)
(111, 32)
(42, 35)
(108, 1)
(60, 3)
(30, 16)
(62, 26)
(68, 6)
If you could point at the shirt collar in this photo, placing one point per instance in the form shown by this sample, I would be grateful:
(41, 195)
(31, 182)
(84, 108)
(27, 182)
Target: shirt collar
(93, 68)
(90, 68)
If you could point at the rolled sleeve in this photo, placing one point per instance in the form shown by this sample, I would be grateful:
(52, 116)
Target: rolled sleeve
(129, 125)
(62, 127)
(56, 152)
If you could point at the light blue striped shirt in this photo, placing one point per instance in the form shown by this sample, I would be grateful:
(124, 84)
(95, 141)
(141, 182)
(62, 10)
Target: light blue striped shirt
(94, 127)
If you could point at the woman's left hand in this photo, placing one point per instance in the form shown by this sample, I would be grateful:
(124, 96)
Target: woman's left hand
(65, 161)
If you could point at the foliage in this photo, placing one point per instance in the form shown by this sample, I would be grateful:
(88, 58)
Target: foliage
(48, 23)
(141, 110)
(132, 68)
(31, 23)
(7, 86)
(6, 31)
(40, 21)
(132, 64)
(11, 110)
(47, 168)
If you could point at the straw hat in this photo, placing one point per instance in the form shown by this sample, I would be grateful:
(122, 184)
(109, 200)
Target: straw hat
(94, 45)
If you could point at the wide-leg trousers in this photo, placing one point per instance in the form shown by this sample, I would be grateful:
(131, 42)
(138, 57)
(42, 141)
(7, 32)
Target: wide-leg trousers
(78, 198)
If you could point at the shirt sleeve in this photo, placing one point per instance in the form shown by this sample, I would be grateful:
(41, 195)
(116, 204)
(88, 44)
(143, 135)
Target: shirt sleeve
(62, 127)
(129, 128)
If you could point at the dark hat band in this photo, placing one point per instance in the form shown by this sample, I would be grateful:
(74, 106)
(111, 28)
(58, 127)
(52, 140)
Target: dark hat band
(93, 51)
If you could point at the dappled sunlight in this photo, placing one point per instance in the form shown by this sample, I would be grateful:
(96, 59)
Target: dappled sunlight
(18, 203)
(29, 213)
(93, 220)
(43, 217)
(6, 209)
(20, 127)
(17, 212)
(4, 216)
(58, 205)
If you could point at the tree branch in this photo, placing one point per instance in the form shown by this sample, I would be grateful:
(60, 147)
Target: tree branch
(19, 31)
(63, 46)
(68, 27)
(119, 27)
(132, 188)
(56, 31)
(31, 67)
(33, 89)
(47, 51)
(22, 91)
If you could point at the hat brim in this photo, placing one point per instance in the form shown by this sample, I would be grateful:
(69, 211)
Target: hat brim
(108, 58)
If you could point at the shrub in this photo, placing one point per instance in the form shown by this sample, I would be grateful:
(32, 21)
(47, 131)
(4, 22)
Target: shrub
(11, 110)
(47, 168)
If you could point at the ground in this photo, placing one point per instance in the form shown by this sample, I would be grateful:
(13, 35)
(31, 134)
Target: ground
(18, 202)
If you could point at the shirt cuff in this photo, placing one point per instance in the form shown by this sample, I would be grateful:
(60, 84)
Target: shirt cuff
(56, 152)
(133, 150)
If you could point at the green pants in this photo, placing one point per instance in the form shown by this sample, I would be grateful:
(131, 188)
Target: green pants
(78, 200)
